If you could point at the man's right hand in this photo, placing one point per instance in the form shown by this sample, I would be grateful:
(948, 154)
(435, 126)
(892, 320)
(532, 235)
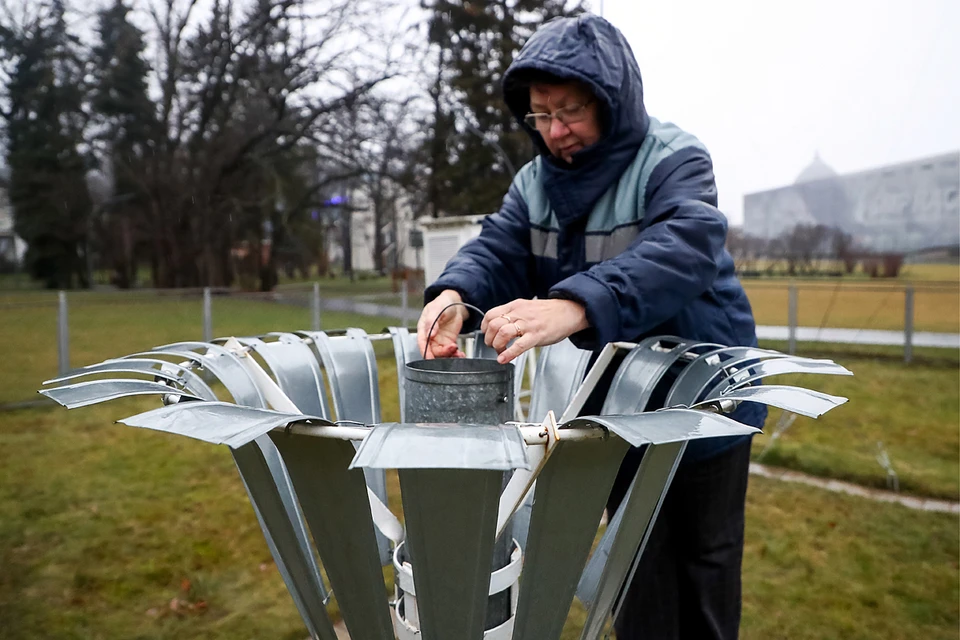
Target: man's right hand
(443, 340)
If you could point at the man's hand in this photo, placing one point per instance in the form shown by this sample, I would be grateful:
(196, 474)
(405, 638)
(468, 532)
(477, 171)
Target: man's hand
(531, 323)
(443, 340)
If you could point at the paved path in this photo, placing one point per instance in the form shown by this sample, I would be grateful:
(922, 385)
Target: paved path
(359, 305)
(920, 504)
(861, 336)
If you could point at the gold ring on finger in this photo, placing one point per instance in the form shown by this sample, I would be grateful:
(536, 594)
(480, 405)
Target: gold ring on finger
(507, 318)
(519, 332)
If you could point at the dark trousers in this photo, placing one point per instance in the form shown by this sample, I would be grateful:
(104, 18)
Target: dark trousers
(687, 586)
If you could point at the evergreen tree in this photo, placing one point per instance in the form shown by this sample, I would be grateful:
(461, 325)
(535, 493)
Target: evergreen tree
(127, 133)
(44, 126)
(476, 145)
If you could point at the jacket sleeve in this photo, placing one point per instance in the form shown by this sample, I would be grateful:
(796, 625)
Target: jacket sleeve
(673, 260)
(492, 268)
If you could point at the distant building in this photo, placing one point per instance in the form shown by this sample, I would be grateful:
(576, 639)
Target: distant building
(902, 208)
(398, 250)
(442, 238)
(12, 247)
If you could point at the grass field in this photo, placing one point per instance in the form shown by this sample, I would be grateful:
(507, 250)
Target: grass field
(112, 532)
(100, 329)
(856, 305)
(913, 410)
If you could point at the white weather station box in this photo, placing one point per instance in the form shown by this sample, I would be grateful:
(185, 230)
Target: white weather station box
(442, 237)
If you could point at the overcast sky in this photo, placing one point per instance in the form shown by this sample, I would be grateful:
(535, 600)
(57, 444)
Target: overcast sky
(766, 84)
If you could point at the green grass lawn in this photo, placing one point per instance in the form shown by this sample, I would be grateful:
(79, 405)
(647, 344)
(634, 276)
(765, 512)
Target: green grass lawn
(912, 409)
(856, 304)
(112, 532)
(825, 566)
(102, 328)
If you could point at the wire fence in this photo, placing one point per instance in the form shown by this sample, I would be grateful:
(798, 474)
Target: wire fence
(50, 332)
(906, 315)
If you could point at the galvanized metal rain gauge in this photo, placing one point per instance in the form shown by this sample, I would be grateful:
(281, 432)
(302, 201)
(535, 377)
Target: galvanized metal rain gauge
(489, 492)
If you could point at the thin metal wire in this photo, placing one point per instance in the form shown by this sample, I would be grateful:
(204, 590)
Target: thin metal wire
(826, 314)
(440, 315)
(876, 312)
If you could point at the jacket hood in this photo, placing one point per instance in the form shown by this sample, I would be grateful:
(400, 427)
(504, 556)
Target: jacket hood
(589, 49)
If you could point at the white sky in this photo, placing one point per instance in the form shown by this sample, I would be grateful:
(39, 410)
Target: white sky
(766, 84)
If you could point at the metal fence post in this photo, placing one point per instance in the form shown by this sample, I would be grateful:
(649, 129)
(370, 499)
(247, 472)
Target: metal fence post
(63, 334)
(908, 324)
(792, 318)
(404, 301)
(207, 316)
(315, 307)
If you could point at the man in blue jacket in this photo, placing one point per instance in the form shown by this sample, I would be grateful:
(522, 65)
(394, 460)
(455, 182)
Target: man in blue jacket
(612, 233)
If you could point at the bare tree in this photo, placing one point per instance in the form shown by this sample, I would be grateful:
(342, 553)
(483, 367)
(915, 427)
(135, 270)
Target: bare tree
(247, 93)
(745, 249)
(804, 246)
(843, 249)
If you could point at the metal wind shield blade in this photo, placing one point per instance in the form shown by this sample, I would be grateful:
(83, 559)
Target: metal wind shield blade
(335, 504)
(296, 371)
(641, 371)
(806, 402)
(560, 370)
(352, 370)
(147, 366)
(404, 351)
(779, 366)
(451, 516)
(665, 426)
(223, 364)
(352, 373)
(265, 479)
(635, 381)
(217, 422)
(697, 376)
(442, 446)
(657, 428)
(665, 433)
(82, 394)
(272, 496)
(571, 493)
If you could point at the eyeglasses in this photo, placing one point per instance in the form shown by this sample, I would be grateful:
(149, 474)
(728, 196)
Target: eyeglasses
(568, 115)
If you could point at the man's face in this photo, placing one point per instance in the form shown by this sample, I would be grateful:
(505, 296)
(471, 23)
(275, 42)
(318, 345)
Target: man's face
(574, 124)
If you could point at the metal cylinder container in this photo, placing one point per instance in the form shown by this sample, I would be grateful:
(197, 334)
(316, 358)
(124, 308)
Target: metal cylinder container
(460, 390)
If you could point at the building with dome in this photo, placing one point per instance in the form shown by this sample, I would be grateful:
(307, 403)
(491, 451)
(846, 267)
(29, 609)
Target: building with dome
(902, 208)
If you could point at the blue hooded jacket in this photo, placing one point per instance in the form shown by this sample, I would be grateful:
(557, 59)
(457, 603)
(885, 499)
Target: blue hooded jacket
(630, 229)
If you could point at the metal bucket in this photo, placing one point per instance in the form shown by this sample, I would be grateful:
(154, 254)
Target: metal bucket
(465, 391)
(460, 390)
